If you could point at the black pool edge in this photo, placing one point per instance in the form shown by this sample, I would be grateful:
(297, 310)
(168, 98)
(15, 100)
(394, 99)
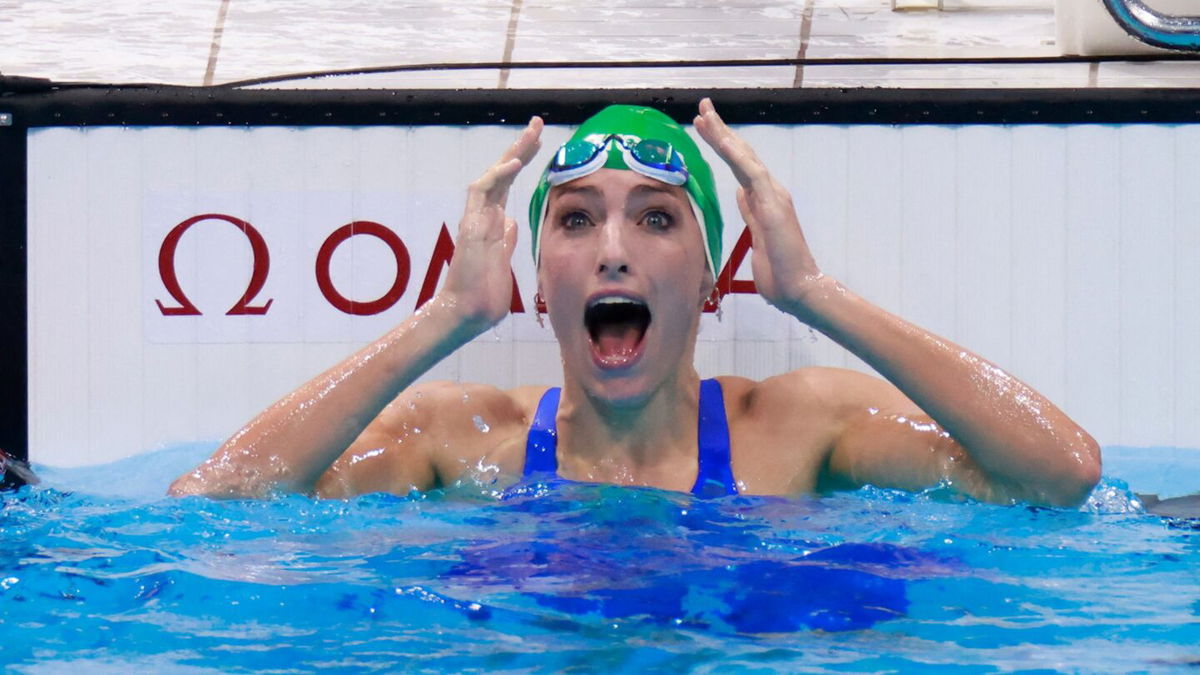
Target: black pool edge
(14, 410)
(86, 105)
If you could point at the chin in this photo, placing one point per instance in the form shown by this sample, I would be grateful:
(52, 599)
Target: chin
(622, 392)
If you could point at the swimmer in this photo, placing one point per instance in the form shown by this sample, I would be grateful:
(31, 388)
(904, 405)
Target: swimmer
(626, 236)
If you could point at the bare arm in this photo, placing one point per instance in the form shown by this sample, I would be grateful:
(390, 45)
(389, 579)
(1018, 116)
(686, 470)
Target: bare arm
(291, 444)
(1021, 445)
(430, 436)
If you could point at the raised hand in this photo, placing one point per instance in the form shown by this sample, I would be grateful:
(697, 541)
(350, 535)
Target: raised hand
(479, 282)
(784, 270)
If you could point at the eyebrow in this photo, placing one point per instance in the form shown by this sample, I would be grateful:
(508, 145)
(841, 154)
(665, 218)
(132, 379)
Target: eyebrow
(574, 189)
(648, 191)
(654, 188)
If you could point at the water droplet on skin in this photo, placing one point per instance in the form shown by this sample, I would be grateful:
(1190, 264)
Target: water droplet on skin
(366, 455)
(480, 424)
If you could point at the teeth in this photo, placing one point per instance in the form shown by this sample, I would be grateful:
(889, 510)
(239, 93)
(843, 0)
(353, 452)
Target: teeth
(615, 300)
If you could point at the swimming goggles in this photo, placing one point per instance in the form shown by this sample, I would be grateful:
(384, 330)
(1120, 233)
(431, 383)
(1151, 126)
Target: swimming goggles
(651, 158)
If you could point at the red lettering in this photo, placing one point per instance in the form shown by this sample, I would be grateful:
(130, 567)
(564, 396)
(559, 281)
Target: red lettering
(443, 252)
(258, 275)
(726, 284)
(384, 302)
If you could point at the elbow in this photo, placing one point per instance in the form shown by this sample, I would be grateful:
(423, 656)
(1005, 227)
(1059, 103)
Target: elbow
(1081, 474)
(185, 486)
(200, 483)
(193, 485)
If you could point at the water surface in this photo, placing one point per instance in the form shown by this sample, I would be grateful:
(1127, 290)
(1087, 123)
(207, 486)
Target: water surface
(98, 571)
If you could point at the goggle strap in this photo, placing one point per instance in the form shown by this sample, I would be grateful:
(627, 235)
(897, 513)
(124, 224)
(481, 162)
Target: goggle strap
(537, 245)
(700, 218)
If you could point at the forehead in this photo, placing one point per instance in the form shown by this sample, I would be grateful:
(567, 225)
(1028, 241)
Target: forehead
(617, 183)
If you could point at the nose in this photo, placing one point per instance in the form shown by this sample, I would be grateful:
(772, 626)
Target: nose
(613, 256)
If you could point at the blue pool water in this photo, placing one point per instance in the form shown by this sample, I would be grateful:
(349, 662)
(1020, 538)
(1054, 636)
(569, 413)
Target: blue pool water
(99, 572)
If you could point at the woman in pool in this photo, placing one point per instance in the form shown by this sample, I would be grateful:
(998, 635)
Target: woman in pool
(627, 236)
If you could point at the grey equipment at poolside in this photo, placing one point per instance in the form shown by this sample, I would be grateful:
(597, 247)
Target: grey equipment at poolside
(14, 473)
(1175, 507)
(1169, 31)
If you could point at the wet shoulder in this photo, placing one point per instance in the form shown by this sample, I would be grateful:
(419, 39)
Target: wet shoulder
(430, 435)
(806, 389)
(474, 426)
(781, 428)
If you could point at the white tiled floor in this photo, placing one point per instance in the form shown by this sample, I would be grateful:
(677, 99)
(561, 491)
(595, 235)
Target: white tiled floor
(133, 41)
(289, 36)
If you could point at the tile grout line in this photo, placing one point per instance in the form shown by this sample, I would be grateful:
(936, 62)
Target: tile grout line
(805, 34)
(215, 48)
(509, 42)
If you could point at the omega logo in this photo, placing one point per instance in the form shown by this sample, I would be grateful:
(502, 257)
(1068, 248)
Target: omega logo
(166, 268)
(443, 251)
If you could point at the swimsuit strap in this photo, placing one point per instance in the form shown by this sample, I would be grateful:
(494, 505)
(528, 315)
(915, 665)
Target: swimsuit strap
(715, 476)
(542, 442)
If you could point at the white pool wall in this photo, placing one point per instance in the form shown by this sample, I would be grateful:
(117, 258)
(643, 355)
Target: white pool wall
(1069, 255)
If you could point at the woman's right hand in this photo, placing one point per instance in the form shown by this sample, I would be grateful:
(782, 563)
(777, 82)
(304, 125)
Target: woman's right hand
(478, 288)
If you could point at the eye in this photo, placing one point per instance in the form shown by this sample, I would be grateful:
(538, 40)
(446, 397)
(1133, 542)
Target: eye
(657, 220)
(574, 220)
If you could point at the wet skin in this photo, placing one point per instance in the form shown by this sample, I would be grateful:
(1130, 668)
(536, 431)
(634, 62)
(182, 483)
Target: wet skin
(629, 405)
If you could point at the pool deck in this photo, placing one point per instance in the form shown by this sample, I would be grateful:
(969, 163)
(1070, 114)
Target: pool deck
(198, 42)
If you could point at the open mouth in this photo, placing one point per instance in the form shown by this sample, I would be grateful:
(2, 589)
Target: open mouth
(617, 326)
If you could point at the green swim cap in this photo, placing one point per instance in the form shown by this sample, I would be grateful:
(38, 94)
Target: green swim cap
(646, 124)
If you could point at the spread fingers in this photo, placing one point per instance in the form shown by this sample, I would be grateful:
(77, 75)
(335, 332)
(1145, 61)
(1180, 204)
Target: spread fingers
(737, 153)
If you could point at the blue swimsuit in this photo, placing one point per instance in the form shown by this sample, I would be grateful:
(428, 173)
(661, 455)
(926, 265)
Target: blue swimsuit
(715, 478)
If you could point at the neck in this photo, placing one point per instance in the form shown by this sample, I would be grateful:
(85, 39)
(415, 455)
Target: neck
(640, 444)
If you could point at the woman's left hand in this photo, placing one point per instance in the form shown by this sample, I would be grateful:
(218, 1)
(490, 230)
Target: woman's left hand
(784, 270)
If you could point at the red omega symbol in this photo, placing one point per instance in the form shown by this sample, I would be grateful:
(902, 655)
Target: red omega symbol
(258, 276)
